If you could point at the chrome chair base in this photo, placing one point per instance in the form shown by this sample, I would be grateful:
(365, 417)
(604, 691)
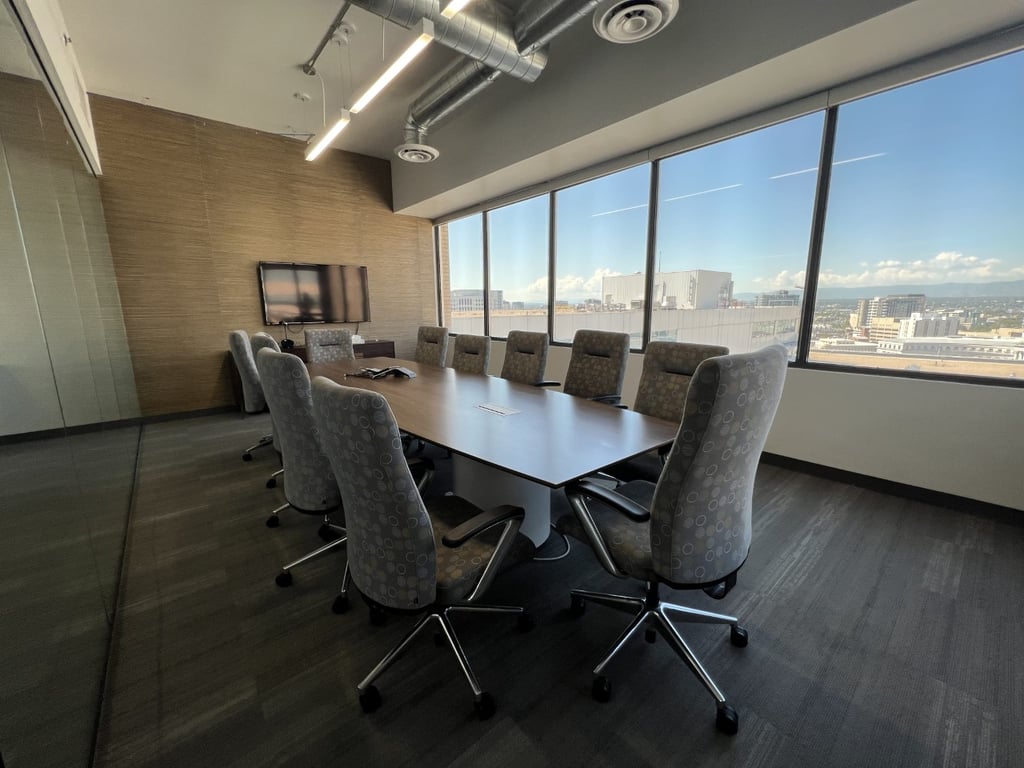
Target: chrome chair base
(369, 696)
(654, 615)
(266, 440)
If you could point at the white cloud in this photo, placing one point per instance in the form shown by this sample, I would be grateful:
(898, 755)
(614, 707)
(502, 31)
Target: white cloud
(943, 267)
(570, 287)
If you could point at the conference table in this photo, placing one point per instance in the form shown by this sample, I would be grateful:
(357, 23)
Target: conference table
(511, 443)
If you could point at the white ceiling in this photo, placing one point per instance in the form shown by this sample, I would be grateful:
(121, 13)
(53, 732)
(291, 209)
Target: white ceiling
(240, 62)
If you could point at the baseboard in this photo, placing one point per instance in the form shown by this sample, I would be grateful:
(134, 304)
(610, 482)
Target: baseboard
(891, 487)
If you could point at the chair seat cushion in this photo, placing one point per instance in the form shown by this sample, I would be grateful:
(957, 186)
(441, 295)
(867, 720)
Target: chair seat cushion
(628, 542)
(460, 568)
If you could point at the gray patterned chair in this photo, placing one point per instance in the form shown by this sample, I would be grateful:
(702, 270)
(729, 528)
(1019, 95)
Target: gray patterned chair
(472, 354)
(526, 357)
(597, 365)
(253, 400)
(432, 345)
(407, 556)
(328, 345)
(668, 368)
(263, 340)
(692, 529)
(309, 484)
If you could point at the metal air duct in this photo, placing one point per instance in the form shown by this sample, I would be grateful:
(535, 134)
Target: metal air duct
(483, 32)
(540, 21)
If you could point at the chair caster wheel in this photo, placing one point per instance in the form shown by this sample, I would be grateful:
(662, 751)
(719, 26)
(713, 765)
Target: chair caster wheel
(340, 604)
(284, 579)
(484, 706)
(727, 721)
(369, 699)
(650, 635)
(601, 690)
(738, 637)
(577, 605)
(246, 457)
(272, 482)
(273, 521)
(377, 617)
(525, 622)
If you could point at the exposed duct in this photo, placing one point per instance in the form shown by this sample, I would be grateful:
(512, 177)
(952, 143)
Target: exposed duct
(539, 21)
(484, 32)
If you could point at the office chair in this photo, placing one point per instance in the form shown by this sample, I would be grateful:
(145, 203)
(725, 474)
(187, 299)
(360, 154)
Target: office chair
(526, 357)
(253, 400)
(432, 345)
(407, 555)
(472, 354)
(328, 345)
(668, 369)
(260, 341)
(309, 484)
(597, 365)
(692, 529)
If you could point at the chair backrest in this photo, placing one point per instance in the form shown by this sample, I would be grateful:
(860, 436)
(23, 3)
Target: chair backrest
(391, 550)
(432, 345)
(472, 354)
(597, 365)
(309, 483)
(526, 357)
(668, 367)
(328, 345)
(241, 352)
(700, 515)
(264, 340)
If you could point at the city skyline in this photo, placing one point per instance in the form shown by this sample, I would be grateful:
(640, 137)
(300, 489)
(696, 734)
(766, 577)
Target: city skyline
(924, 191)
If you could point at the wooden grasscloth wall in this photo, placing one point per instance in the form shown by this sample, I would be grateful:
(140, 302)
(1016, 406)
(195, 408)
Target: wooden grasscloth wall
(192, 206)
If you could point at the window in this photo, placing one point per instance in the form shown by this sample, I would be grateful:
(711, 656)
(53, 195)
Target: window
(734, 223)
(923, 252)
(461, 242)
(601, 255)
(517, 248)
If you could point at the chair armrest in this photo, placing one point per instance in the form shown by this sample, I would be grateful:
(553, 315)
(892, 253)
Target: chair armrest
(547, 384)
(420, 461)
(608, 399)
(477, 524)
(613, 499)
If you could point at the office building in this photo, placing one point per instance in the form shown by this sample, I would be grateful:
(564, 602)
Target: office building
(132, 221)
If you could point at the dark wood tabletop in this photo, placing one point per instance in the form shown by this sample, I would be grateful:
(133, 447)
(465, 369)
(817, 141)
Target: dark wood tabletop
(552, 438)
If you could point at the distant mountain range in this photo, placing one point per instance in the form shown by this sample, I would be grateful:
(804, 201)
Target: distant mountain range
(938, 290)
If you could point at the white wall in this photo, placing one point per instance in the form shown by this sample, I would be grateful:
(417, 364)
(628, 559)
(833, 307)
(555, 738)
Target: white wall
(65, 361)
(962, 439)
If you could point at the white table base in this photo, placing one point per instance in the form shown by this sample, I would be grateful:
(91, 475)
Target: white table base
(487, 487)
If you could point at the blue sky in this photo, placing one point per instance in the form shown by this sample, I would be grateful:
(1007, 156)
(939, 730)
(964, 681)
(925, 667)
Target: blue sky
(927, 187)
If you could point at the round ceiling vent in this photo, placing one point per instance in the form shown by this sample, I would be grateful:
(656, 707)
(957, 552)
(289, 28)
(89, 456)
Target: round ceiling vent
(417, 153)
(630, 21)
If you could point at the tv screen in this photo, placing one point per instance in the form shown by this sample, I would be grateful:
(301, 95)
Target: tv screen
(313, 293)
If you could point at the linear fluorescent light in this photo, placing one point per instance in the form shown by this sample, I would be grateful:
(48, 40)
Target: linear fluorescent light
(426, 34)
(453, 8)
(322, 140)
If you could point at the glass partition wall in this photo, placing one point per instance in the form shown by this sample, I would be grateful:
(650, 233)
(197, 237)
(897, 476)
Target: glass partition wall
(64, 500)
(906, 257)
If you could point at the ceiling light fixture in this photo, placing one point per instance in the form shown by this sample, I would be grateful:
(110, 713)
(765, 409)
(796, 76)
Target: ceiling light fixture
(321, 141)
(453, 8)
(426, 34)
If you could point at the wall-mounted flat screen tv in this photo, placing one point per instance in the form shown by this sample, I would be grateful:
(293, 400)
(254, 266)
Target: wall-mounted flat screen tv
(313, 293)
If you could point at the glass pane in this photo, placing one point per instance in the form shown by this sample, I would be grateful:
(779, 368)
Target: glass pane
(601, 234)
(518, 250)
(734, 223)
(464, 304)
(922, 266)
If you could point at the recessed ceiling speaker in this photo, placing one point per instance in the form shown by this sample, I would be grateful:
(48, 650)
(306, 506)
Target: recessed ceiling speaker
(417, 153)
(631, 21)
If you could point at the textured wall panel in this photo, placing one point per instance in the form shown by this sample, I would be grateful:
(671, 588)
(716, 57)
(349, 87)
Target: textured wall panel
(193, 206)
